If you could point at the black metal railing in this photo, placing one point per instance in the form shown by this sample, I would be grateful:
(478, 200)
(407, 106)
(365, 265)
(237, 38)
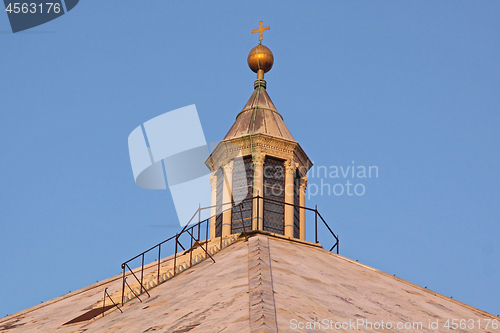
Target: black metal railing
(194, 233)
(187, 230)
(316, 215)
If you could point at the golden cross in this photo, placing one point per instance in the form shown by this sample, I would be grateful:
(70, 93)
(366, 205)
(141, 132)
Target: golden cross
(260, 30)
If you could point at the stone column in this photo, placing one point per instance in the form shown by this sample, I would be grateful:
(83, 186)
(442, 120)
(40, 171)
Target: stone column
(226, 199)
(302, 202)
(289, 183)
(258, 189)
(213, 210)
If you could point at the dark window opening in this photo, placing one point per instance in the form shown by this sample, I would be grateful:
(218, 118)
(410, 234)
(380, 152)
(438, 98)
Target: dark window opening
(274, 188)
(242, 188)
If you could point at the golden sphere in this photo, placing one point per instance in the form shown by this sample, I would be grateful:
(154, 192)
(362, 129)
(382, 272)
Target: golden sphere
(260, 58)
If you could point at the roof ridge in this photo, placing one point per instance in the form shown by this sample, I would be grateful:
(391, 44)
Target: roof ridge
(260, 286)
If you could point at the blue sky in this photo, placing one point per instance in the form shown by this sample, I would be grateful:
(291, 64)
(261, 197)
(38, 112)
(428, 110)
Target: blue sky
(409, 87)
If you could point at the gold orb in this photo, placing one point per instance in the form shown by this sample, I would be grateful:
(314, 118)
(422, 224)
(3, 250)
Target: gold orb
(260, 58)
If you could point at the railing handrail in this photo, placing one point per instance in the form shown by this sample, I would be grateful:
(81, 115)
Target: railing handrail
(152, 248)
(230, 208)
(189, 229)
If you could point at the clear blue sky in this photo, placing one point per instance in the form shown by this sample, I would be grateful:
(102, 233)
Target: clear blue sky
(409, 87)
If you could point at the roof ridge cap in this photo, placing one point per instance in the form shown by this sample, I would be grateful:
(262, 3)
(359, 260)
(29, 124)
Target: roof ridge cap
(259, 108)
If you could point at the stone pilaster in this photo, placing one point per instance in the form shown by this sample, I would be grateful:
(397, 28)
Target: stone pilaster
(289, 183)
(227, 199)
(258, 189)
(213, 210)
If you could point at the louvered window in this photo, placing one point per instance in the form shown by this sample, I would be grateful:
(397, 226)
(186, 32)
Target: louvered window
(274, 185)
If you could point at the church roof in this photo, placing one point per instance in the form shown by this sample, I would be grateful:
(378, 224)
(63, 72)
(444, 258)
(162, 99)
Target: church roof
(259, 116)
(265, 284)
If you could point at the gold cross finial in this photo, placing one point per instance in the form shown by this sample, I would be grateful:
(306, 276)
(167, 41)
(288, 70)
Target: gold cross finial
(260, 31)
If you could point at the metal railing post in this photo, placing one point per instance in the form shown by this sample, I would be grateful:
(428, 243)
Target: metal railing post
(243, 221)
(222, 223)
(316, 223)
(199, 221)
(123, 284)
(175, 254)
(142, 273)
(159, 257)
(191, 249)
(206, 239)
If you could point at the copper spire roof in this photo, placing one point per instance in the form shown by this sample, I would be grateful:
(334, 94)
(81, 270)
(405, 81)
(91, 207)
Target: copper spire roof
(259, 116)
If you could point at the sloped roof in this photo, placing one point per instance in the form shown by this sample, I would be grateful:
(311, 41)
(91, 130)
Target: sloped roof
(259, 116)
(265, 284)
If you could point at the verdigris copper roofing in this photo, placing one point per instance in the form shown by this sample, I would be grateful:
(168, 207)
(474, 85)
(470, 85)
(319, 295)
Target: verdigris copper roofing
(259, 116)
